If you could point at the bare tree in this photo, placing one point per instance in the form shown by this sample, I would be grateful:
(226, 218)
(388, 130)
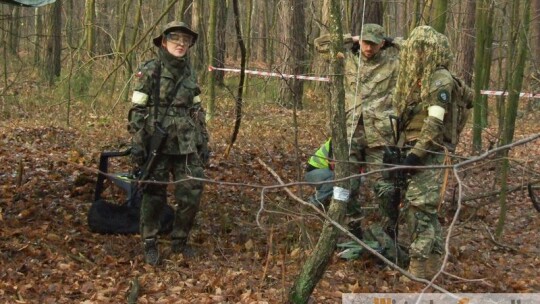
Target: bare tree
(89, 20)
(316, 264)
(438, 20)
(467, 43)
(211, 59)
(372, 14)
(54, 45)
(521, 18)
(222, 9)
(198, 25)
(39, 34)
(482, 65)
(292, 89)
(14, 28)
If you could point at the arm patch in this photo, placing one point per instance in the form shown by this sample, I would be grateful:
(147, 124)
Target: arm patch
(443, 96)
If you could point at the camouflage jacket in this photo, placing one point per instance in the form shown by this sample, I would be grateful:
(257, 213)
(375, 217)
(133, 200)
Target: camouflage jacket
(376, 81)
(422, 130)
(179, 109)
(373, 104)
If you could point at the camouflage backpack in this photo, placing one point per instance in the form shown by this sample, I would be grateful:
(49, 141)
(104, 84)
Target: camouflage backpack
(462, 102)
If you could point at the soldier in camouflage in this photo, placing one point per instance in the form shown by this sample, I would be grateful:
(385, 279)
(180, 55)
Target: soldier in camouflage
(371, 74)
(422, 100)
(184, 151)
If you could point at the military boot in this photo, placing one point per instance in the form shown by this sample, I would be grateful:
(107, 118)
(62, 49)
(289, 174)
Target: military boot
(180, 245)
(417, 267)
(151, 252)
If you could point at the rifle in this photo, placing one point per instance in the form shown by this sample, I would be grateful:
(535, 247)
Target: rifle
(156, 143)
(393, 155)
(159, 135)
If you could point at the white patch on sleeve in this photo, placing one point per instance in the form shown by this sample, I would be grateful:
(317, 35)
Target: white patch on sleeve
(340, 194)
(197, 99)
(139, 98)
(437, 112)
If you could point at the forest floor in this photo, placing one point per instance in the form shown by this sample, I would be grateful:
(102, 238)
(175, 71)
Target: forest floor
(249, 250)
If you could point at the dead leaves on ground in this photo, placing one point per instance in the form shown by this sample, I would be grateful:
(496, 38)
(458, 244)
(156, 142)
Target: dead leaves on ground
(47, 254)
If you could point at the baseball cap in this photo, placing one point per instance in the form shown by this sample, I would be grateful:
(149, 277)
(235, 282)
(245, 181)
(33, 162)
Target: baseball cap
(373, 32)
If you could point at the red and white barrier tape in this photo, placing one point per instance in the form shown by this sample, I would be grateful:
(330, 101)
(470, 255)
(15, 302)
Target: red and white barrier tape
(272, 74)
(505, 93)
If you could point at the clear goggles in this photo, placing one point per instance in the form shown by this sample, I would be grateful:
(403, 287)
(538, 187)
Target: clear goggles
(179, 38)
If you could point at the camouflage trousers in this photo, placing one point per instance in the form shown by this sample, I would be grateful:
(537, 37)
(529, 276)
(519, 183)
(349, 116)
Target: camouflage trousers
(370, 159)
(187, 194)
(357, 159)
(422, 202)
(383, 189)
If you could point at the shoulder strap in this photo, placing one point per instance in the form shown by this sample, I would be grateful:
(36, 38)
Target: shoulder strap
(156, 74)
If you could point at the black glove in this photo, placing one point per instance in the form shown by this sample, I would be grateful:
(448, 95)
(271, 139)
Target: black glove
(204, 153)
(355, 48)
(411, 160)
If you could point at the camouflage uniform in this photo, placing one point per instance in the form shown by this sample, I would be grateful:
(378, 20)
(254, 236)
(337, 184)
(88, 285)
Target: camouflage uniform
(368, 126)
(422, 99)
(369, 107)
(180, 115)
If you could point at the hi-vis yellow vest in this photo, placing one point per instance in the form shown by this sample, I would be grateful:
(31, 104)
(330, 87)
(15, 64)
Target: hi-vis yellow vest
(320, 159)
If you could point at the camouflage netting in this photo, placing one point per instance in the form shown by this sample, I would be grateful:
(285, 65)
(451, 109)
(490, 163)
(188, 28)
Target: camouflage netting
(421, 54)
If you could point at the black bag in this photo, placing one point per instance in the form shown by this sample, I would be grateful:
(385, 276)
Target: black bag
(113, 218)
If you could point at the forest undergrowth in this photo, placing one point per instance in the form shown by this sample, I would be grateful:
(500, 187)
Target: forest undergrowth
(250, 245)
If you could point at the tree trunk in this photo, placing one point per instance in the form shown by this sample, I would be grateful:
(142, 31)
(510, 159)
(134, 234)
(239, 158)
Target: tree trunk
(171, 16)
(54, 45)
(132, 40)
(39, 35)
(439, 16)
(70, 16)
(487, 58)
(373, 14)
(14, 27)
(482, 64)
(467, 43)
(520, 22)
(104, 22)
(4, 37)
(248, 32)
(272, 41)
(222, 14)
(211, 60)
(89, 19)
(121, 45)
(536, 36)
(416, 19)
(198, 50)
(293, 89)
(316, 264)
(534, 103)
(426, 9)
(179, 11)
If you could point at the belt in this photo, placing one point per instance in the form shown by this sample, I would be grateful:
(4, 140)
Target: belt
(173, 105)
(172, 111)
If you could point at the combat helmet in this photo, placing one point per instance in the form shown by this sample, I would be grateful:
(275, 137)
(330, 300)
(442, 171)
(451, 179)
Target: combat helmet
(175, 25)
